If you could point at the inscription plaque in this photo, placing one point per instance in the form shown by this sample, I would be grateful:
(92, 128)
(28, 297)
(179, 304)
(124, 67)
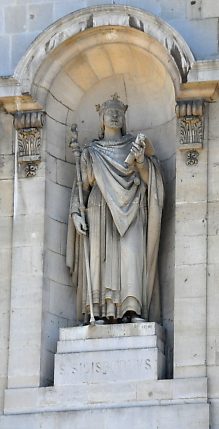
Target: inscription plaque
(108, 366)
(111, 353)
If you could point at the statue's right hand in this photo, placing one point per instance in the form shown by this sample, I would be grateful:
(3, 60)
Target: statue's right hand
(80, 224)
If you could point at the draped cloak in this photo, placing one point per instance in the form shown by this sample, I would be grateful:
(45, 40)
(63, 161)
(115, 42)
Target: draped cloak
(124, 219)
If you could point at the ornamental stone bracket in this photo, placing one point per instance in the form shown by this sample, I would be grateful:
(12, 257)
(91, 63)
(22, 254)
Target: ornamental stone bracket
(28, 125)
(190, 128)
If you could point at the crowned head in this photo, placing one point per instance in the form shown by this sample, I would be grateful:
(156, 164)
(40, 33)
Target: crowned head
(113, 103)
(112, 110)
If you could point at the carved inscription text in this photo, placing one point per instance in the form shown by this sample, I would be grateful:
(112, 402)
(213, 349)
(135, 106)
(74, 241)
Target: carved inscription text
(106, 367)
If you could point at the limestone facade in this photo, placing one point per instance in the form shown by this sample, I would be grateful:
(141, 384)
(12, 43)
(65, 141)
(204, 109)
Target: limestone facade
(78, 62)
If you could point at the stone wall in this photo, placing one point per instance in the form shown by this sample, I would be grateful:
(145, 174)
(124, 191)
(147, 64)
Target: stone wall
(213, 265)
(34, 310)
(148, 91)
(6, 219)
(59, 294)
(20, 23)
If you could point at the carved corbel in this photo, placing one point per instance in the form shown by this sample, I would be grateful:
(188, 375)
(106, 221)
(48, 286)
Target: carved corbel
(28, 125)
(190, 128)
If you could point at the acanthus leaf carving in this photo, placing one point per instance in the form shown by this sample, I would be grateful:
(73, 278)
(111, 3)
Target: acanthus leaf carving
(28, 133)
(191, 131)
(190, 128)
(29, 141)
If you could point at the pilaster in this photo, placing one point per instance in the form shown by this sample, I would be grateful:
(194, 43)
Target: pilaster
(191, 241)
(27, 251)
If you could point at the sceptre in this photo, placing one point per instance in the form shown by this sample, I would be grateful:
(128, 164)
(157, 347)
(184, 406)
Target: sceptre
(77, 154)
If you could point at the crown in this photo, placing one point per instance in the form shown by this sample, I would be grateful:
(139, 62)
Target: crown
(113, 103)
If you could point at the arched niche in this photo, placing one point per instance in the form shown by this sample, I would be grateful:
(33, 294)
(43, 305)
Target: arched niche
(81, 60)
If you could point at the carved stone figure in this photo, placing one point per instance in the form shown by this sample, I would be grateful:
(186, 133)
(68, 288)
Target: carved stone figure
(123, 196)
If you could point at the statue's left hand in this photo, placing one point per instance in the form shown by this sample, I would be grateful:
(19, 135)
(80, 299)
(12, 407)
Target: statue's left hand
(138, 148)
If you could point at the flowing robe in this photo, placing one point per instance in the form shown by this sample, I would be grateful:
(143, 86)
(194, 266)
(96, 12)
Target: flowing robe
(123, 216)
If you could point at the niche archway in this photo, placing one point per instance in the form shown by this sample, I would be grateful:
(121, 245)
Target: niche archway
(77, 63)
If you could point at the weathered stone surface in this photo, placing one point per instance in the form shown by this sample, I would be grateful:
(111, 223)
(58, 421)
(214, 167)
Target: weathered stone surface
(5, 67)
(55, 138)
(111, 331)
(52, 325)
(110, 366)
(56, 268)
(15, 18)
(107, 19)
(213, 123)
(165, 416)
(109, 344)
(191, 285)
(171, 9)
(191, 181)
(134, 354)
(6, 166)
(62, 301)
(20, 43)
(191, 219)
(190, 280)
(31, 236)
(213, 373)
(51, 167)
(4, 332)
(56, 110)
(150, 391)
(24, 203)
(209, 9)
(213, 192)
(6, 133)
(212, 317)
(147, 393)
(194, 9)
(56, 233)
(39, 15)
(6, 197)
(65, 173)
(213, 256)
(191, 250)
(58, 201)
(213, 215)
(60, 90)
(194, 33)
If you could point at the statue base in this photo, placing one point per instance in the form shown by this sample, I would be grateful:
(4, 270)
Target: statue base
(110, 353)
(108, 376)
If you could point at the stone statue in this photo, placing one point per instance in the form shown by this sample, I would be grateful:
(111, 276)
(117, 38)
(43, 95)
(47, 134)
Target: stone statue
(123, 196)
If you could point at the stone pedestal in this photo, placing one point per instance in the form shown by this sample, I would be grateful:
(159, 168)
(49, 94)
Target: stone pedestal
(108, 376)
(110, 353)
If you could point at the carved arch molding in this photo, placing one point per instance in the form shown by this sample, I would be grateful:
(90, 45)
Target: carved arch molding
(25, 98)
(112, 24)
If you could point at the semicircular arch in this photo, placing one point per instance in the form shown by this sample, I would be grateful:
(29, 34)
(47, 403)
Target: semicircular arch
(97, 26)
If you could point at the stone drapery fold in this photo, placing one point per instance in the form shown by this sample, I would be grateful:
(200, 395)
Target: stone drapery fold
(124, 220)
